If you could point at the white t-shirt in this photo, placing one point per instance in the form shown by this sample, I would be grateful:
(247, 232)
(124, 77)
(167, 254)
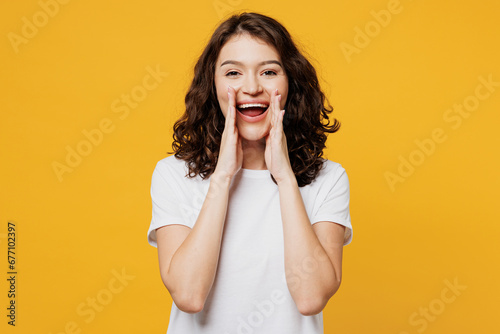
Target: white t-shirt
(250, 293)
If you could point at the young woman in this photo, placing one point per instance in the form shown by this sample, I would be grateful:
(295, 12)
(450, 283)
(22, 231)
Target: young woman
(248, 218)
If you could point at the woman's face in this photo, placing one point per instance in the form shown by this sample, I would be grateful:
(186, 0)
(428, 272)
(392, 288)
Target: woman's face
(254, 69)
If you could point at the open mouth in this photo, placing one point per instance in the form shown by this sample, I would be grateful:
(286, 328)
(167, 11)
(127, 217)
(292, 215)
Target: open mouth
(252, 109)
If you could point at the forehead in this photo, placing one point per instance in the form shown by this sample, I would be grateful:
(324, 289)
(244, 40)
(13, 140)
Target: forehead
(246, 47)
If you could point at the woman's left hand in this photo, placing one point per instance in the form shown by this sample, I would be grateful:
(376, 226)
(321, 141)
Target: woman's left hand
(276, 152)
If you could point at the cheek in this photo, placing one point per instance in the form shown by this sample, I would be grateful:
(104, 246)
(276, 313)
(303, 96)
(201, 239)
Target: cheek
(283, 90)
(223, 101)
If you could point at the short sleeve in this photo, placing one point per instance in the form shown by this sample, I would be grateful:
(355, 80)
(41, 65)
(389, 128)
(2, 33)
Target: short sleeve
(334, 197)
(166, 197)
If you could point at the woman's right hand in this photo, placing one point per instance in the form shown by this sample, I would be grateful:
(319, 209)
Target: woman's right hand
(230, 157)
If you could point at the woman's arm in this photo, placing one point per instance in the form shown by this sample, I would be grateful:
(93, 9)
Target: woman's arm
(313, 254)
(188, 257)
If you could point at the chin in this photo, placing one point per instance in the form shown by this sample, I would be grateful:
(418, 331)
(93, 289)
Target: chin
(254, 134)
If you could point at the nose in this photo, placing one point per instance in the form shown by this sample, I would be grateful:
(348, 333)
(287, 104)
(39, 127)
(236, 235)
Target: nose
(251, 85)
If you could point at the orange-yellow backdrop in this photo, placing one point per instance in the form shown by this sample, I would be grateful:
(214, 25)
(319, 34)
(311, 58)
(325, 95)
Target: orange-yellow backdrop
(416, 85)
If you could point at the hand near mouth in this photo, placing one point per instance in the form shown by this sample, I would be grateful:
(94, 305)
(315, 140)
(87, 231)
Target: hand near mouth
(230, 157)
(276, 152)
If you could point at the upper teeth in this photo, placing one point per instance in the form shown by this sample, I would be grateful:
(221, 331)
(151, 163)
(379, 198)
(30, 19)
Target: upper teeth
(250, 105)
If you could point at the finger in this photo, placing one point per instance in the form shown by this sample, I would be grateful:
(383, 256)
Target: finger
(273, 102)
(232, 99)
(279, 115)
(277, 111)
(232, 106)
(228, 113)
(280, 122)
(278, 107)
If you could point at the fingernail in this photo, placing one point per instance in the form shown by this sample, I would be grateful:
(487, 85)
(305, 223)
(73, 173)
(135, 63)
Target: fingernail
(276, 91)
(279, 97)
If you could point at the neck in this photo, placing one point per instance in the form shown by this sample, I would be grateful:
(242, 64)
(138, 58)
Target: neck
(253, 154)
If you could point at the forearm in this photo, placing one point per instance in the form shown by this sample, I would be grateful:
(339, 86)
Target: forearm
(192, 269)
(310, 275)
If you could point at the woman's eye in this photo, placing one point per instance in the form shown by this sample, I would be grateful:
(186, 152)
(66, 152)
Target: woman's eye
(269, 72)
(231, 74)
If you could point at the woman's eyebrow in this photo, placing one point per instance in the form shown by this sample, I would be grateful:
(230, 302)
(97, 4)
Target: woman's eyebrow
(235, 62)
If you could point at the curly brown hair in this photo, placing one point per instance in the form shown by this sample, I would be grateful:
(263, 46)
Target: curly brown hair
(197, 134)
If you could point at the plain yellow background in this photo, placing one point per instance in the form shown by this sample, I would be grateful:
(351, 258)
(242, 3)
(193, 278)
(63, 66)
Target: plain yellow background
(417, 228)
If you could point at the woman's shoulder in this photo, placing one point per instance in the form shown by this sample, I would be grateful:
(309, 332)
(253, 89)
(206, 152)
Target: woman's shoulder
(331, 167)
(330, 171)
(171, 165)
(174, 168)
(171, 161)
